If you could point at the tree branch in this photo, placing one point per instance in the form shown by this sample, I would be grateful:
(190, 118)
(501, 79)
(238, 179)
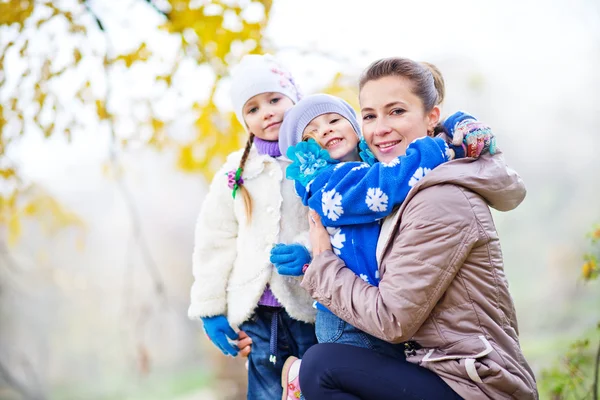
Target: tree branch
(157, 9)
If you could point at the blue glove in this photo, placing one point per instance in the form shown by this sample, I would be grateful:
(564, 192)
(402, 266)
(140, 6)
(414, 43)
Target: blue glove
(218, 330)
(289, 259)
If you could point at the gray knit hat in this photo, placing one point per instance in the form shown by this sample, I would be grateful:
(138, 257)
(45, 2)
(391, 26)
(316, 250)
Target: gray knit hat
(256, 74)
(298, 117)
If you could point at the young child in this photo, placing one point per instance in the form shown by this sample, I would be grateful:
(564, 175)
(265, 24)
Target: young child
(328, 181)
(249, 208)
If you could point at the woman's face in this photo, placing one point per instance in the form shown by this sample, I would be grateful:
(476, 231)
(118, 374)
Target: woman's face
(393, 116)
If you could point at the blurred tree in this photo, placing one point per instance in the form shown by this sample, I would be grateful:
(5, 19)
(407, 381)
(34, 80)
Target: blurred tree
(577, 375)
(36, 69)
(63, 72)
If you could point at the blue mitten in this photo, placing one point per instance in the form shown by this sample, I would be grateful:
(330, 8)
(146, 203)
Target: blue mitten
(308, 160)
(289, 259)
(218, 330)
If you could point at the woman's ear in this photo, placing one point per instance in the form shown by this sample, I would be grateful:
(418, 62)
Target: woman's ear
(433, 118)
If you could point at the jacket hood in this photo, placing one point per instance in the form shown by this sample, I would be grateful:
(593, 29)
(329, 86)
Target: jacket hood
(488, 176)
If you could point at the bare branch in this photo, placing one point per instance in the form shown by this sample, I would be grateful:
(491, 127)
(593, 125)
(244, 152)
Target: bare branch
(155, 7)
(93, 14)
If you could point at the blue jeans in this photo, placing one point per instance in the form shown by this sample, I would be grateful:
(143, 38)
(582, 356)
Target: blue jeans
(332, 329)
(293, 339)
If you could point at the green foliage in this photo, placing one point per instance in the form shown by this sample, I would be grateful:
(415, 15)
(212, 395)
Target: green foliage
(576, 375)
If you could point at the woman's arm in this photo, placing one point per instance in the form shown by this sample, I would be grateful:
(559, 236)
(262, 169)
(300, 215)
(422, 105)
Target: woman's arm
(426, 254)
(214, 250)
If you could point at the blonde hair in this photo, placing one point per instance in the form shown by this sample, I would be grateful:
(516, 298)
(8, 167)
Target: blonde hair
(244, 192)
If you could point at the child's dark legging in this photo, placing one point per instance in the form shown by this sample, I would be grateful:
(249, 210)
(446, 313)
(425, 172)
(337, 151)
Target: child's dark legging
(339, 371)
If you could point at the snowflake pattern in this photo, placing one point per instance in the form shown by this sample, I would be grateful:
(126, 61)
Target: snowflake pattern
(338, 165)
(365, 278)
(392, 163)
(361, 166)
(448, 153)
(331, 202)
(337, 239)
(419, 174)
(377, 274)
(376, 200)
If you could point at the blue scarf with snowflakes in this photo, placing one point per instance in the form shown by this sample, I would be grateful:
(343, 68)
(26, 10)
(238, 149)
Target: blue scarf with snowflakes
(352, 197)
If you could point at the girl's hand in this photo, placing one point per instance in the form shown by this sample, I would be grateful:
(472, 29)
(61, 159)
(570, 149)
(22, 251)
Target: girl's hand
(319, 238)
(244, 344)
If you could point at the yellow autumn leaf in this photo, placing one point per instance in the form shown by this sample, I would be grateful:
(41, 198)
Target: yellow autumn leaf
(101, 110)
(157, 124)
(186, 160)
(15, 11)
(140, 54)
(14, 229)
(588, 269)
(30, 209)
(7, 173)
(2, 119)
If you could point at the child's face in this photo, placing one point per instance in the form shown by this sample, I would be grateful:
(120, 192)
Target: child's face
(264, 112)
(335, 134)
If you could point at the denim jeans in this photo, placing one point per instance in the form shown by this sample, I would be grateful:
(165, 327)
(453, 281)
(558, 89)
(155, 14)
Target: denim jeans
(293, 339)
(332, 329)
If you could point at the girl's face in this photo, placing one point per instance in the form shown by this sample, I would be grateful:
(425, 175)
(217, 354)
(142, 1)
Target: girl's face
(264, 112)
(393, 116)
(335, 134)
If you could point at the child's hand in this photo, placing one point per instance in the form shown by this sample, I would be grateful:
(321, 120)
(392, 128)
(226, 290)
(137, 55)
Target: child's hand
(218, 330)
(470, 138)
(244, 344)
(289, 259)
(308, 159)
(478, 138)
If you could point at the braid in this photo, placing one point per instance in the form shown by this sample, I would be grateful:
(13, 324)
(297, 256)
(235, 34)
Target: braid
(243, 191)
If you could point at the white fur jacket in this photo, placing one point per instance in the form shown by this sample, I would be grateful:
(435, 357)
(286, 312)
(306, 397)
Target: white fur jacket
(231, 255)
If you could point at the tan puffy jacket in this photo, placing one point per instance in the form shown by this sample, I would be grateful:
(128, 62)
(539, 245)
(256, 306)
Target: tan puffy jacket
(442, 281)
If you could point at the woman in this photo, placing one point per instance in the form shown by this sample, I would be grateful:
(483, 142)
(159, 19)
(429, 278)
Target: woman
(442, 290)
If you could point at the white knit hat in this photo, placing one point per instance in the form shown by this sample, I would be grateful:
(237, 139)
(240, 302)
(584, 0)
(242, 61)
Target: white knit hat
(256, 74)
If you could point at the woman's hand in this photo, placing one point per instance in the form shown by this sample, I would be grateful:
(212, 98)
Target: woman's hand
(319, 238)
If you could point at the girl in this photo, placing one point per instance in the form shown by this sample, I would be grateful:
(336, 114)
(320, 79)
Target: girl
(248, 209)
(330, 126)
